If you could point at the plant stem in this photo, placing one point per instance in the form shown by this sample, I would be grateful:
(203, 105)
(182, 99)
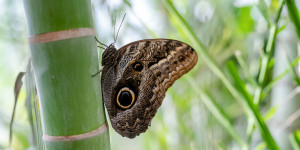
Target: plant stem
(264, 66)
(294, 15)
(250, 108)
(218, 113)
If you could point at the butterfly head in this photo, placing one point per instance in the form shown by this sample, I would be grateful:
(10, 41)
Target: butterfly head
(110, 51)
(109, 54)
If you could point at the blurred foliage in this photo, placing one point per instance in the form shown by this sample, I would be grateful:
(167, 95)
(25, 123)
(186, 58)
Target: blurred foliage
(243, 39)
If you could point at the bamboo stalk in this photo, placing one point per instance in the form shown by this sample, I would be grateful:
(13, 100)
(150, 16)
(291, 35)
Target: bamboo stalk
(294, 14)
(64, 57)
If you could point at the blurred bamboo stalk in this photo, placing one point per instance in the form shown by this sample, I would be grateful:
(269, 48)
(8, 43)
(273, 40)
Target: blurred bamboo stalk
(251, 109)
(219, 114)
(265, 61)
(294, 15)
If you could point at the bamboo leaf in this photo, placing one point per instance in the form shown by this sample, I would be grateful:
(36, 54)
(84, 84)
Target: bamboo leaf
(295, 140)
(32, 105)
(292, 70)
(260, 146)
(280, 76)
(127, 2)
(262, 6)
(17, 88)
(271, 112)
(282, 27)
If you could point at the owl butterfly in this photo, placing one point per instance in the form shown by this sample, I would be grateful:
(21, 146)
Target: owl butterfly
(136, 77)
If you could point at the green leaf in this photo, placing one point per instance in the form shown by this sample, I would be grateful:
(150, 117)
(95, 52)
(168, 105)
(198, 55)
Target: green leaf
(261, 146)
(17, 88)
(127, 2)
(295, 140)
(239, 83)
(262, 6)
(276, 79)
(245, 22)
(32, 105)
(271, 112)
(292, 70)
(282, 27)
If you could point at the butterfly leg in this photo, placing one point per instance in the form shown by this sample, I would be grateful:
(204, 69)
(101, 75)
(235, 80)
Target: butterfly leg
(97, 73)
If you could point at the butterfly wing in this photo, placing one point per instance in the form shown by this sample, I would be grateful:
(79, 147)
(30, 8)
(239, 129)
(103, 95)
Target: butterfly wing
(135, 85)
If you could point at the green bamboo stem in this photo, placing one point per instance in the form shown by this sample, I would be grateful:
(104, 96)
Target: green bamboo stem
(218, 113)
(263, 73)
(249, 106)
(245, 68)
(294, 15)
(264, 64)
(69, 98)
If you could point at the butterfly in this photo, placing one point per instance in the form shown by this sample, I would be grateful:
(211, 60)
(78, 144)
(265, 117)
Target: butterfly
(136, 77)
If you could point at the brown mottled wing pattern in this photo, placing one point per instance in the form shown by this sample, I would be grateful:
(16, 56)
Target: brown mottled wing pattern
(163, 62)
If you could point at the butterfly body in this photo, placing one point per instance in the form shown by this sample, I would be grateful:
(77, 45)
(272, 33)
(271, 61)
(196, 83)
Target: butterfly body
(135, 79)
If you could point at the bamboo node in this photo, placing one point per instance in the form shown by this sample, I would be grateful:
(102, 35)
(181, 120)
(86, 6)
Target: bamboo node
(93, 133)
(61, 35)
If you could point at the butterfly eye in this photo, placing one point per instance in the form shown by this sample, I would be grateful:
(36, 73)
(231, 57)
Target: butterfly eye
(137, 66)
(125, 98)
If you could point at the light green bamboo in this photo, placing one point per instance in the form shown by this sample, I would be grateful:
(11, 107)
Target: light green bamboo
(218, 112)
(295, 140)
(69, 98)
(294, 15)
(249, 106)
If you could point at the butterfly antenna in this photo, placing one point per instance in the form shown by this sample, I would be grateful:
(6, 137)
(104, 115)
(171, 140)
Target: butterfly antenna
(100, 42)
(115, 28)
(119, 28)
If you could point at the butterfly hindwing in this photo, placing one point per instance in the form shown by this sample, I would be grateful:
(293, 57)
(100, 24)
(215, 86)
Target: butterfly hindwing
(135, 79)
